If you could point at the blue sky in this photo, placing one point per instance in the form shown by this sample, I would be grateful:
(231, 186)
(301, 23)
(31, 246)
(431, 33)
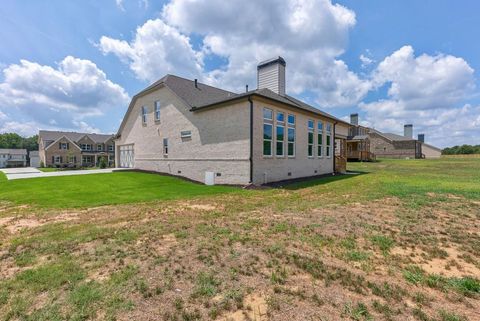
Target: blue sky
(73, 65)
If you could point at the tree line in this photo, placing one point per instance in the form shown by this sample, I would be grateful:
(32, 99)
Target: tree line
(12, 140)
(462, 150)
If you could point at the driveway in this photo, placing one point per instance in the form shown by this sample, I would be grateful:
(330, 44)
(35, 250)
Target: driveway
(30, 172)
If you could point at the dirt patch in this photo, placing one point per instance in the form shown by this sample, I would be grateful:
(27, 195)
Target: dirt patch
(14, 225)
(21, 224)
(255, 309)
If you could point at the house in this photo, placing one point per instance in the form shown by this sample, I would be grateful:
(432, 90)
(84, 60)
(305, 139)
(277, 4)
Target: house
(429, 151)
(13, 157)
(388, 145)
(183, 127)
(71, 149)
(358, 141)
(34, 157)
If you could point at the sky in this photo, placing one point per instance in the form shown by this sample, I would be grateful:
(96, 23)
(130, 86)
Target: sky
(74, 65)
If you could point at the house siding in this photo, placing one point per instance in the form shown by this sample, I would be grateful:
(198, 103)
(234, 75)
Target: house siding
(271, 169)
(54, 150)
(430, 152)
(219, 140)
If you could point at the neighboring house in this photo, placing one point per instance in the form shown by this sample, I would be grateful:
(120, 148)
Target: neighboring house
(185, 128)
(429, 151)
(34, 157)
(358, 141)
(13, 157)
(70, 149)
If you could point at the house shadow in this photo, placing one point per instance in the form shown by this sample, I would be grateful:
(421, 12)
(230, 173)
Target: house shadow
(306, 182)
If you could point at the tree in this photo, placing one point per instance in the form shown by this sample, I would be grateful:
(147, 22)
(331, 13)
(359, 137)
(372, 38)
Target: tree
(103, 162)
(12, 140)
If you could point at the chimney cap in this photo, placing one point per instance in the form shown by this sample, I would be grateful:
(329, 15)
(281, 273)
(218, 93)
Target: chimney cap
(408, 125)
(272, 61)
(354, 114)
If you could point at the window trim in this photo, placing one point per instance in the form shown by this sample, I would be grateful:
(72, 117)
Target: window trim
(101, 148)
(157, 110)
(278, 113)
(62, 146)
(288, 120)
(57, 159)
(271, 113)
(328, 137)
(165, 147)
(294, 141)
(320, 131)
(144, 115)
(276, 141)
(310, 130)
(270, 140)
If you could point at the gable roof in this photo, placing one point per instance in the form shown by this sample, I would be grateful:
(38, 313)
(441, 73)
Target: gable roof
(58, 139)
(47, 135)
(392, 137)
(205, 96)
(432, 147)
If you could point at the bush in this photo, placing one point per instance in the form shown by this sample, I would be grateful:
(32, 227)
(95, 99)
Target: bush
(103, 162)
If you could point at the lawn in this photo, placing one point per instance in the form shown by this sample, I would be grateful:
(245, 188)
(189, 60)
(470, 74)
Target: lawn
(398, 241)
(102, 189)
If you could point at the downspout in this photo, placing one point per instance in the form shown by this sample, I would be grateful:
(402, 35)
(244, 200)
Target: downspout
(334, 129)
(251, 138)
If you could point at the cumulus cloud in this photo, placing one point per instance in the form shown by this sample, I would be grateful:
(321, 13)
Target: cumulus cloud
(63, 97)
(156, 50)
(309, 34)
(119, 4)
(427, 91)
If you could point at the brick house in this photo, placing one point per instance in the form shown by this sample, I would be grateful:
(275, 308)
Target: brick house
(71, 149)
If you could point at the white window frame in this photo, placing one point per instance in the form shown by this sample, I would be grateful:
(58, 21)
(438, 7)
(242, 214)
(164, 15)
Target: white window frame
(144, 115)
(57, 159)
(267, 140)
(111, 148)
(293, 142)
(186, 134)
(278, 114)
(63, 146)
(268, 110)
(288, 119)
(328, 139)
(101, 147)
(277, 141)
(157, 110)
(320, 131)
(310, 130)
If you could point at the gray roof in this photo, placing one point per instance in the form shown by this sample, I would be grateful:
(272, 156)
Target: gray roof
(33, 153)
(204, 96)
(13, 151)
(48, 135)
(392, 137)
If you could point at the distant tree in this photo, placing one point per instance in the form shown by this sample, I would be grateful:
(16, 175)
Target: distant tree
(12, 140)
(461, 150)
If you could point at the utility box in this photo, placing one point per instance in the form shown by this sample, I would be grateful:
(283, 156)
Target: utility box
(209, 178)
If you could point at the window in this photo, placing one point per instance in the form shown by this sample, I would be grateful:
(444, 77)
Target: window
(144, 114)
(63, 145)
(291, 142)
(165, 146)
(87, 159)
(280, 117)
(280, 139)
(186, 134)
(291, 135)
(57, 159)
(267, 114)
(111, 148)
(329, 140)
(157, 110)
(72, 159)
(99, 147)
(320, 139)
(267, 139)
(310, 137)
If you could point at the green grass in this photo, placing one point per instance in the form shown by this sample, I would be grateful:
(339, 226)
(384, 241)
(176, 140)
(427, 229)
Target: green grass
(103, 189)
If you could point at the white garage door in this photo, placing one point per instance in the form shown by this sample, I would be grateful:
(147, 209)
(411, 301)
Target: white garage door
(126, 156)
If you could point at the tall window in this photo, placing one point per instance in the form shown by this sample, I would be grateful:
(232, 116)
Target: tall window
(320, 139)
(157, 110)
(310, 137)
(291, 136)
(144, 114)
(267, 131)
(280, 134)
(329, 139)
(99, 147)
(165, 146)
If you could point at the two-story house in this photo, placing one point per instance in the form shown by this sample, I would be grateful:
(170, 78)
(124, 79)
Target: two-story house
(71, 149)
(183, 127)
(13, 157)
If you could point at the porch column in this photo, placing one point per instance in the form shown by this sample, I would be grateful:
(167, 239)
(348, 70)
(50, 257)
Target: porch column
(95, 164)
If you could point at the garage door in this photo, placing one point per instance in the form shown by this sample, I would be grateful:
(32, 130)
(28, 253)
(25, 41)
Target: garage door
(126, 156)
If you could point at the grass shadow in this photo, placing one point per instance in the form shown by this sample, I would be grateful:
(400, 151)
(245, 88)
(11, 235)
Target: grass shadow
(300, 183)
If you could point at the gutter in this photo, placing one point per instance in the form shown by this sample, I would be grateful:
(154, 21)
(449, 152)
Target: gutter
(251, 139)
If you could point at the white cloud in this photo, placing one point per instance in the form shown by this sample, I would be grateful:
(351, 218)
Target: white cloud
(427, 91)
(33, 95)
(119, 4)
(309, 34)
(366, 61)
(157, 49)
